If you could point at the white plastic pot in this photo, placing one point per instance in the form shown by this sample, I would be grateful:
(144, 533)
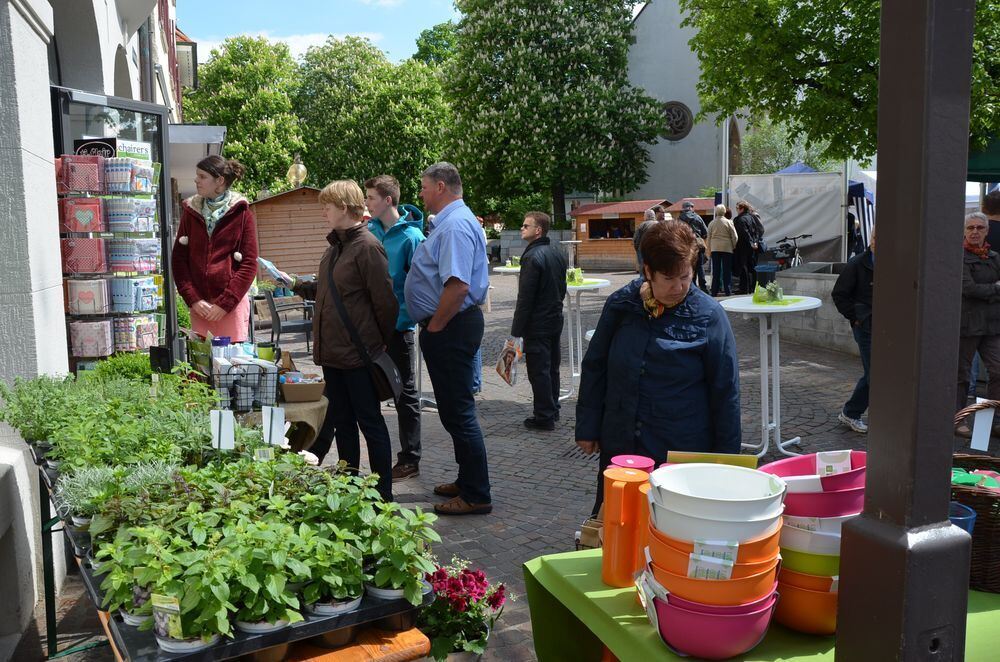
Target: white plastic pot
(334, 608)
(261, 628)
(821, 524)
(384, 593)
(689, 528)
(171, 645)
(812, 542)
(717, 491)
(131, 619)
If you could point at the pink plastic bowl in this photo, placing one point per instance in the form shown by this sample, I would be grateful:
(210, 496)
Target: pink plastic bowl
(825, 504)
(712, 636)
(805, 465)
(701, 608)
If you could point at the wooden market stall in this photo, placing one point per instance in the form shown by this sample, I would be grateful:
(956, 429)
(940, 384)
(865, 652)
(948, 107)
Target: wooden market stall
(605, 230)
(291, 231)
(704, 207)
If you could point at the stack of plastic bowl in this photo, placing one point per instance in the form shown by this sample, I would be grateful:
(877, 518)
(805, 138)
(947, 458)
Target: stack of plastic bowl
(713, 549)
(824, 491)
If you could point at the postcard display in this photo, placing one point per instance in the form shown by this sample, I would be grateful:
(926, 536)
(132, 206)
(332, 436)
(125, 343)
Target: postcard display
(112, 264)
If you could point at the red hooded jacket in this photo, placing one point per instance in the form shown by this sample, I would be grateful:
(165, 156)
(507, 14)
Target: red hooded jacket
(218, 269)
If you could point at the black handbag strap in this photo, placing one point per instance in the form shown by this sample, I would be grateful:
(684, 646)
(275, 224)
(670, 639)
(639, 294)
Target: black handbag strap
(339, 303)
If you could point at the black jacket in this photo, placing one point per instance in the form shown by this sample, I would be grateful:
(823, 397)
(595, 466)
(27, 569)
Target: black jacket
(696, 223)
(746, 233)
(540, 291)
(853, 291)
(980, 295)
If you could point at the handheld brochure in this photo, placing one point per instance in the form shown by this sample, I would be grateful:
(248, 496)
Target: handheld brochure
(272, 270)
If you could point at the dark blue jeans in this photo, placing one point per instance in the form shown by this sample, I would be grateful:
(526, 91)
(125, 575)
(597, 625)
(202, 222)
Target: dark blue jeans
(722, 272)
(450, 356)
(352, 403)
(858, 404)
(700, 271)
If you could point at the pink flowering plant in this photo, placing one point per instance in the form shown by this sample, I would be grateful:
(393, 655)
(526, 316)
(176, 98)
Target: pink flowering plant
(465, 608)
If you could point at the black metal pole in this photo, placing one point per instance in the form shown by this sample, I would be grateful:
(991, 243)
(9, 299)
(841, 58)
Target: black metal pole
(904, 569)
(46, 522)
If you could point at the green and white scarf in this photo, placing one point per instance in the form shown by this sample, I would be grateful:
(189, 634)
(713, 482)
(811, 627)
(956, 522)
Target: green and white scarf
(213, 209)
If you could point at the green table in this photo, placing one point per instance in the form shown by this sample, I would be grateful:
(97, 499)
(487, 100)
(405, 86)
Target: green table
(573, 613)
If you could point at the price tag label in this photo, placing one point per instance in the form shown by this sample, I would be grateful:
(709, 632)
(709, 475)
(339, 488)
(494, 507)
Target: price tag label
(829, 463)
(154, 385)
(274, 425)
(264, 454)
(709, 567)
(835, 585)
(719, 549)
(223, 429)
(167, 616)
(804, 523)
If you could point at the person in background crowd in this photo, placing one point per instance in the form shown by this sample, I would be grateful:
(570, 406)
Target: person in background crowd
(650, 218)
(701, 233)
(360, 272)
(980, 330)
(215, 254)
(721, 242)
(538, 317)
(852, 294)
(448, 280)
(746, 247)
(660, 340)
(399, 228)
(857, 241)
(991, 207)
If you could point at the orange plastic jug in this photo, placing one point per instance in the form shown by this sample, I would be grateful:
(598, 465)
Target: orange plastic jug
(623, 522)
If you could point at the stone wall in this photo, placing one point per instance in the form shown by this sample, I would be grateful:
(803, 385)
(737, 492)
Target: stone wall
(823, 327)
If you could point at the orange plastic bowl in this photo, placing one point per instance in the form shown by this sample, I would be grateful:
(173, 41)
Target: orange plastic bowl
(800, 609)
(802, 580)
(676, 561)
(719, 592)
(759, 550)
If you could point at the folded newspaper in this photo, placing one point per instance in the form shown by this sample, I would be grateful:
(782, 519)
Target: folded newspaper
(509, 357)
(272, 270)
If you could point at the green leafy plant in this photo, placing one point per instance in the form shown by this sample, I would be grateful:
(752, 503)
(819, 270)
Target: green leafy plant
(84, 493)
(33, 406)
(263, 566)
(400, 551)
(332, 565)
(465, 609)
(128, 365)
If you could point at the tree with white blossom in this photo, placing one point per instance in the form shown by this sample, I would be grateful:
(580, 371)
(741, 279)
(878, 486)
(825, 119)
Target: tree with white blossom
(542, 101)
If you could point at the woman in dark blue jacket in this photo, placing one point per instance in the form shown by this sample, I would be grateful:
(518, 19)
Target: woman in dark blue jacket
(661, 371)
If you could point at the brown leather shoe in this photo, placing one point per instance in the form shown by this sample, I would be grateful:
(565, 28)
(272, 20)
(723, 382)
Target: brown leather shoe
(447, 490)
(404, 470)
(459, 506)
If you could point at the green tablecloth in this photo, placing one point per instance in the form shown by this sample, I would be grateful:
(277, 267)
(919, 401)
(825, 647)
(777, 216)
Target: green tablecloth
(573, 612)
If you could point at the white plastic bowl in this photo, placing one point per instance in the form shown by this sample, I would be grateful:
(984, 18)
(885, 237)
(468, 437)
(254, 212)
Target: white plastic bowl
(811, 542)
(718, 491)
(689, 528)
(821, 524)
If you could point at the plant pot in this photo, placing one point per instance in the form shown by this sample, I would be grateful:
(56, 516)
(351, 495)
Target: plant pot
(171, 645)
(134, 619)
(262, 627)
(334, 608)
(53, 464)
(274, 654)
(336, 638)
(384, 593)
(81, 523)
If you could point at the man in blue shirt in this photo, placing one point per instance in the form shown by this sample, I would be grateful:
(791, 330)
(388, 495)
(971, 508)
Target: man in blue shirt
(447, 281)
(400, 229)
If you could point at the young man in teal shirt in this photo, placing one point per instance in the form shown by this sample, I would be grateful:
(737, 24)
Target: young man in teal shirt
(399, 228)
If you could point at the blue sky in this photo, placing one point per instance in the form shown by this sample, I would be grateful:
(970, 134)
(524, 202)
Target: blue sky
(392, 25)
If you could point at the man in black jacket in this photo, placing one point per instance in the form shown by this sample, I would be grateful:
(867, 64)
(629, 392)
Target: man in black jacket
(853, 296)
(538, 317)
(701, 232)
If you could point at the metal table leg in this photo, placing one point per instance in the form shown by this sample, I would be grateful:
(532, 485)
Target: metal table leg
(568, 393)
(776, 386)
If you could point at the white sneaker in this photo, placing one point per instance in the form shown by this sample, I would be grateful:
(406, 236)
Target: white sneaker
(855, 424)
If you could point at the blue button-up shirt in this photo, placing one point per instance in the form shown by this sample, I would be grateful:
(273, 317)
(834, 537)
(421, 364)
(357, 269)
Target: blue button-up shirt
(455, 249)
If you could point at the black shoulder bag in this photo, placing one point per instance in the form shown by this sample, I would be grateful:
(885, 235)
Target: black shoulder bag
(385, 374)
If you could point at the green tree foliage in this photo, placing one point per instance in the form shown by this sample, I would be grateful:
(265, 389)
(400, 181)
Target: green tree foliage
(247, 86)
(542, 100)
(367, 116)
(770, 146)
(814, 66)
(437, 44)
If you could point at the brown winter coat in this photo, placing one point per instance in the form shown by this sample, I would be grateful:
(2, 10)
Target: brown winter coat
(361, 275)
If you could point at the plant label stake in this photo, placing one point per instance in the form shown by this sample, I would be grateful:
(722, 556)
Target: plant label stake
(981, 425)
(154, 386)
(223, 429)
(274, 425)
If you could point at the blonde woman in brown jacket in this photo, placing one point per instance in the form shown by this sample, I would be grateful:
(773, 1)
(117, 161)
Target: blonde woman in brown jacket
(361, 276)
(721, 243)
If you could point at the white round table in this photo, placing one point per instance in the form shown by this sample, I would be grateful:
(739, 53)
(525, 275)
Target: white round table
(575, 327)
(507, 270)
(770, 407)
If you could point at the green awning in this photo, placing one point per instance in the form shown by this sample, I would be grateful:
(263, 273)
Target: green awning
(985, 166)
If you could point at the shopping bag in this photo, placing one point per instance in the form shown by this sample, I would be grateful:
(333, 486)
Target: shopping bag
(510, 356)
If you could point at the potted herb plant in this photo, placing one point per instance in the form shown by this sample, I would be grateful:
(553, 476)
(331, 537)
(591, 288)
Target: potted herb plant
(335, 567)
(465, 609)
(399, 553)
(262, 562)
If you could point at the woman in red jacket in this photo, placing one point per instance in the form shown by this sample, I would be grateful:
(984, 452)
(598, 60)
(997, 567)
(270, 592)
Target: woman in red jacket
(215, 255)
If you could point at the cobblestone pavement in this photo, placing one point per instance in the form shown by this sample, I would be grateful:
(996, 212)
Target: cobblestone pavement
(542, 487)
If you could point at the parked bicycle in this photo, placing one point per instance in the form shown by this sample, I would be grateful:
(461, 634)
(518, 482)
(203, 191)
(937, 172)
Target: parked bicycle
(786, 253)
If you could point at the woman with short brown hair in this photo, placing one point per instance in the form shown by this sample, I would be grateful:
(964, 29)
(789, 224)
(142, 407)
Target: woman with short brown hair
(661, 371)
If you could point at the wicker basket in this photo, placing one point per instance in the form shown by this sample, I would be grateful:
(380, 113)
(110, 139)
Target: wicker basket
(984, 574)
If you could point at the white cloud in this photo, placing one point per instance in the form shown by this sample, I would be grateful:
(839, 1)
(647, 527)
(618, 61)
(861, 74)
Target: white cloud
(298, 44)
